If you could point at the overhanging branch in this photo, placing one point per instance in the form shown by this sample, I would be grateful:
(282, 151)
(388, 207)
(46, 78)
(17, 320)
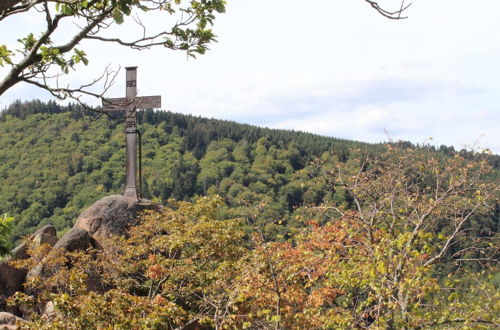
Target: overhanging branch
(390, 14)
(107, 79)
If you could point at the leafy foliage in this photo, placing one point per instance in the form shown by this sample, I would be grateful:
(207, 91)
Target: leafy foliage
(402, 257)
(378, 237)
(176, 267)
(55, 161)
(38, 60)
(5, 229)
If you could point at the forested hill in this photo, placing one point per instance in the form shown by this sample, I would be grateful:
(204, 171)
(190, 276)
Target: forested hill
(56, 160)
(198, 132)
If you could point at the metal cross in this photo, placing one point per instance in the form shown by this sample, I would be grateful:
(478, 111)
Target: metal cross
(130, 104)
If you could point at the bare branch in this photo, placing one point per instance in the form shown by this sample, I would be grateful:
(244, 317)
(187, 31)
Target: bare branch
(396, 15)
(453, 236)
(107, 78)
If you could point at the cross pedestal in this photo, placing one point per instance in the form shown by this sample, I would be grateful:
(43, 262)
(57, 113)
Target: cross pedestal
(130, 104)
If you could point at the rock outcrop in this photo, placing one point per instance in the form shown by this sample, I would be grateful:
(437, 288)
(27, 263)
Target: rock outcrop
(111, 215)
(11, 278)
(11, 281)
(8, 320)
(45, 235)
(75, 240)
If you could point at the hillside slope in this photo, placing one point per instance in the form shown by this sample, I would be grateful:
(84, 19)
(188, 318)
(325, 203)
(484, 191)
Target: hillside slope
(54, 161)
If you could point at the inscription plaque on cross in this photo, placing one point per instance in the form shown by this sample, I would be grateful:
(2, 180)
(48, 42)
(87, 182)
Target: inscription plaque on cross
(130, 104)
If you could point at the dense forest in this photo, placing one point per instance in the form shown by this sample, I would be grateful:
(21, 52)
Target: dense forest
(317, 232)
(57, 160)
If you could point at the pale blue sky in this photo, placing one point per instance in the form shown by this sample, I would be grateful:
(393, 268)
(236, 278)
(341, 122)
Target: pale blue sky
(330, 67)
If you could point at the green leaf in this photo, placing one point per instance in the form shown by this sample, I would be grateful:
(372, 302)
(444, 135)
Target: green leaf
(67, 10)
(117, 16)
(5, 55)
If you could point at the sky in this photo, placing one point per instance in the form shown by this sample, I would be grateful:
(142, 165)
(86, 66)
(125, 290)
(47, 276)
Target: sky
(335, 68)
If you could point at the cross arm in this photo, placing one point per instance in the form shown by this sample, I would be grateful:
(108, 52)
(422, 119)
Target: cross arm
(142, 102)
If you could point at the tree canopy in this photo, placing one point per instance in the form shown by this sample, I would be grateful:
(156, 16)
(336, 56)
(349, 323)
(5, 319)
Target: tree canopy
(5, 230)
(40, 60)
(55, 162)
(407, 255)
(68, 161)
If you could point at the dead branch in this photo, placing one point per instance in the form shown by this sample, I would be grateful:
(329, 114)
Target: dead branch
(396, 15)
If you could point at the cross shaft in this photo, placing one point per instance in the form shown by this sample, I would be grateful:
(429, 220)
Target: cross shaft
(130, 104)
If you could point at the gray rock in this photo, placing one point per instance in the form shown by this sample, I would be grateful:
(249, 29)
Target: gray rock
(8, 319)
(20, 252)
(49, 312)
(75, 239)
(8, 327)
(36, 271)
(40, 239)
(11, 278)
(45, 235)
(46, 230)
(11, 281)
(111, 215)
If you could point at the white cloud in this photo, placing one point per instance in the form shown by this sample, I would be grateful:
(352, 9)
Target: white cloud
(329, 67)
